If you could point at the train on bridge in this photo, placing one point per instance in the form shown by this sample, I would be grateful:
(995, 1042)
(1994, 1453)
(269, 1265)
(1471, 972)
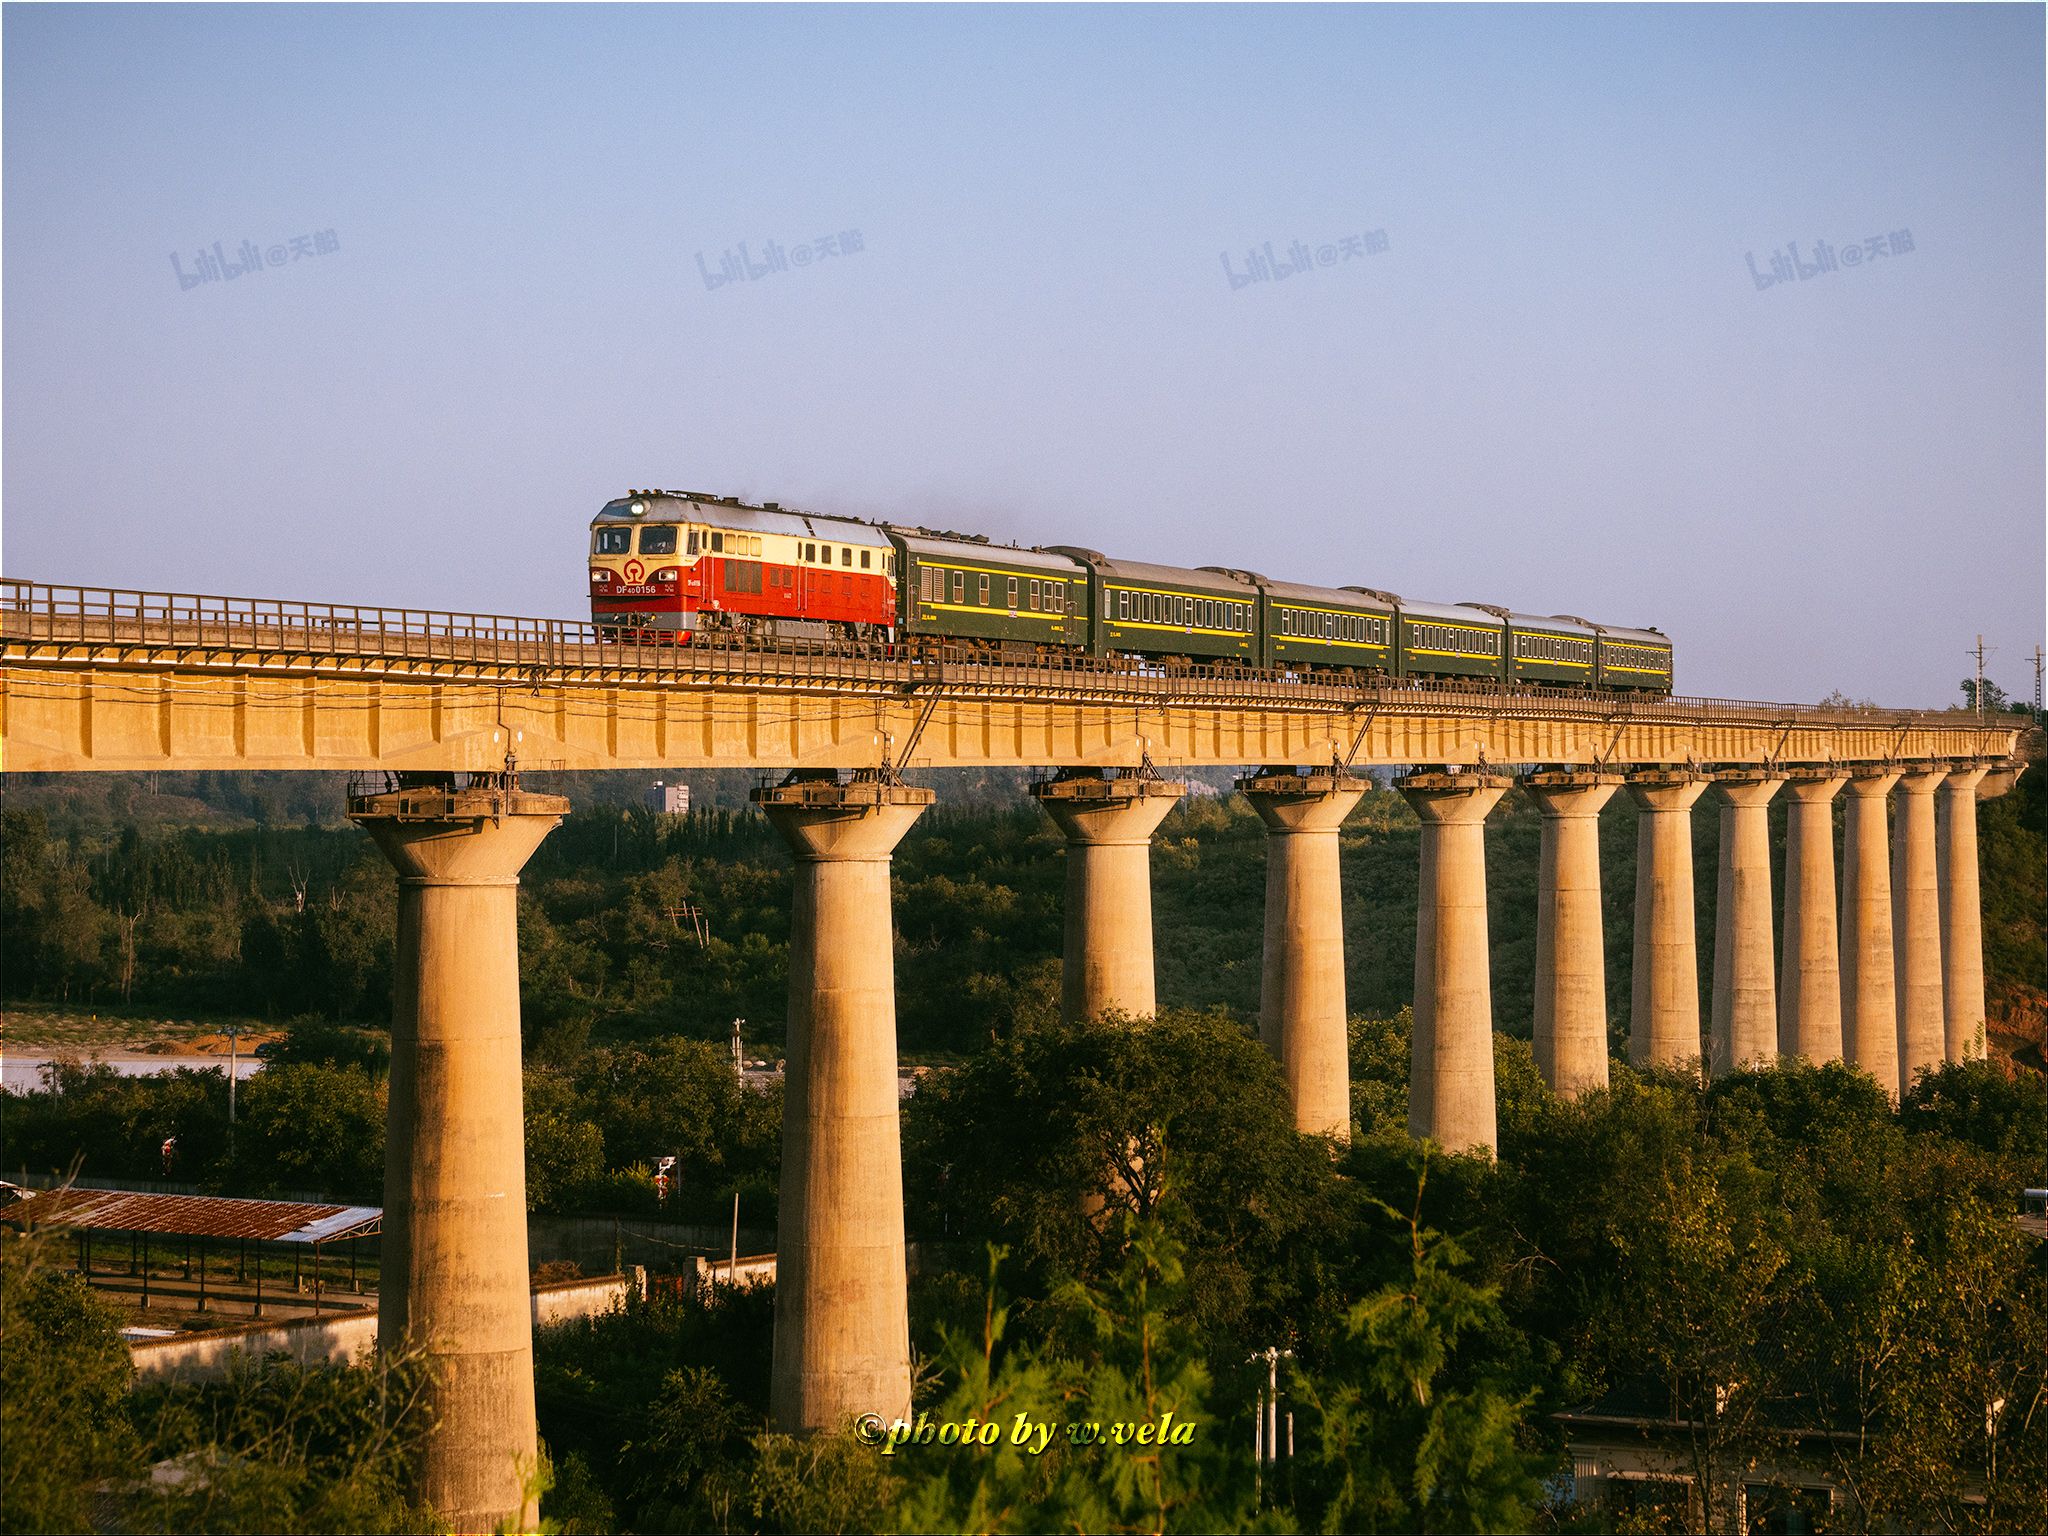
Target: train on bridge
(682, 565)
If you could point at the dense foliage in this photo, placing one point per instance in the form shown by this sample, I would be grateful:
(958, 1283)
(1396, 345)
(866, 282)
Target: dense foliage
(634, 925)
(1779, 1272)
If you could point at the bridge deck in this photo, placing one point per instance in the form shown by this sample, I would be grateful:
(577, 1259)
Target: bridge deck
(96, 678)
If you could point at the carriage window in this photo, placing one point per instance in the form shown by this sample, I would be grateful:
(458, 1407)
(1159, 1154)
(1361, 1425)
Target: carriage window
(983, 599)
(718, 543)
(1012, 603)
(1034, 596)
(959, 587)
(863, 559)
(845, 554)
(1056, 596)
(613, 541)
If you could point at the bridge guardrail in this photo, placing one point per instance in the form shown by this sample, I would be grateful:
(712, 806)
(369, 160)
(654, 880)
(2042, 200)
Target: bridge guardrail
(42, 613)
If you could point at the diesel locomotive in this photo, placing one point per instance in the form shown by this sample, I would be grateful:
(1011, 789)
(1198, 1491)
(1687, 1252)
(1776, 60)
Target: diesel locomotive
(676, 566)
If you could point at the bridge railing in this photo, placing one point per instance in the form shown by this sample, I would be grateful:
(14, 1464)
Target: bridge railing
(49, 614)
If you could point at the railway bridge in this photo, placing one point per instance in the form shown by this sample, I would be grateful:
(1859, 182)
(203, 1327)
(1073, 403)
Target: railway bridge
(439, 712)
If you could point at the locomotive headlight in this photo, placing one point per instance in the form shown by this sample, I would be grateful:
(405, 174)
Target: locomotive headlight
(639, 509)
(599, 576)
(667, 573)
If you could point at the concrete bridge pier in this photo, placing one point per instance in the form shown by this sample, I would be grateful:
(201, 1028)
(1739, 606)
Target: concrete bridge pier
(1450, 1082)
(1302, 1017)
(1962, 912)
(1916, 924)
(842, 1319)
(1571, 948)
(455, 1279)
(1743, 1028)
(1870, 1019)
(1664, 1003)
(1809, 969)
(1108, 824)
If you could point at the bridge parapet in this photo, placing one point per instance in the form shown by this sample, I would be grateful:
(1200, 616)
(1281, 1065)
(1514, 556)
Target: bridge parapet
(101, 678)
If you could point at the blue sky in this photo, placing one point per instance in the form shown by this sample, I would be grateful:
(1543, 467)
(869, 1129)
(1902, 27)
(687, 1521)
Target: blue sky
(1558, 387)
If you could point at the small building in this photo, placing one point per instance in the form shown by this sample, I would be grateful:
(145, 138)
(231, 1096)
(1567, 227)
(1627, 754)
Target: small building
(669, 799)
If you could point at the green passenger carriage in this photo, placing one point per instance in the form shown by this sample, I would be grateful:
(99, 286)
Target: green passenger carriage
(1451, 640)
(1168, 611)
(959, 588)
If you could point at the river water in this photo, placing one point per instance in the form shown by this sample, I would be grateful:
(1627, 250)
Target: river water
(22, 1071)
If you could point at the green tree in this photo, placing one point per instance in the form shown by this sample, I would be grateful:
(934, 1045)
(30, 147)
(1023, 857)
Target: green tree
(64, 1377)
(288, 1448)
(314, 1128)
(1399, 1446)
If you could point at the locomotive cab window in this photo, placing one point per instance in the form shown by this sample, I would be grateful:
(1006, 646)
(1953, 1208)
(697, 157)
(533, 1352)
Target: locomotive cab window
(657, 541)
(613, 541)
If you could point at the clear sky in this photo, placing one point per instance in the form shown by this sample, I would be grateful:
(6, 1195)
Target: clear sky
(1557, 387)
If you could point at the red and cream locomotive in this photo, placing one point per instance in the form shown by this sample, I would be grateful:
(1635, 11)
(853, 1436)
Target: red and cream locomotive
(673, 564)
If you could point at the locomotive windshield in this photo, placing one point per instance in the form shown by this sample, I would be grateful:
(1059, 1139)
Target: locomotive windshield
(657, 541)
(613, 541)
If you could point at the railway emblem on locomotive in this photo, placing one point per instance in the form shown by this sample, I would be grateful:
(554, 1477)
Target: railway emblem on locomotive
(634, 570)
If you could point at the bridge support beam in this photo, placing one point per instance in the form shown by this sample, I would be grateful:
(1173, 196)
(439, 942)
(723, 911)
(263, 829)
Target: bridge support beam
(1743, 1029)
(1108, 824)
(1571, 948)
(1870, 1015)
(1809, 970)
(1450, 1082)
(1916, 924)
(1664, 1002)
(1302, 1017)
(455, 1278)
(842, 1320)
(1962, 913)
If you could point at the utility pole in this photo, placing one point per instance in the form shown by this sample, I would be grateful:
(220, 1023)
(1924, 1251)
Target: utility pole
(1977, 693)
(2037, 685)
(234, 1035)
(739, 1060)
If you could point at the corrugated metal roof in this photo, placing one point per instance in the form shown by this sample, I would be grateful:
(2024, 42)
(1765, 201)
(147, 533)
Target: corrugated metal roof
(120, 1210)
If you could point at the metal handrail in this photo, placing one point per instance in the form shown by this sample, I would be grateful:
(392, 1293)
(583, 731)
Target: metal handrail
(59, 614)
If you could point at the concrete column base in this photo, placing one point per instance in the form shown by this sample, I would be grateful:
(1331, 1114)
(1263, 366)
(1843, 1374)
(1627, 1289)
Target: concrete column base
(454, 1244)
(1302, 1017)
(1744, 1024)
(1809, 966)
(1450, 1081)
(1916, 924)
(1571, 947)
(1870, 1021)
(1664, 1000)
(1962, 912)
(842, 1317)
(1108, 824)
